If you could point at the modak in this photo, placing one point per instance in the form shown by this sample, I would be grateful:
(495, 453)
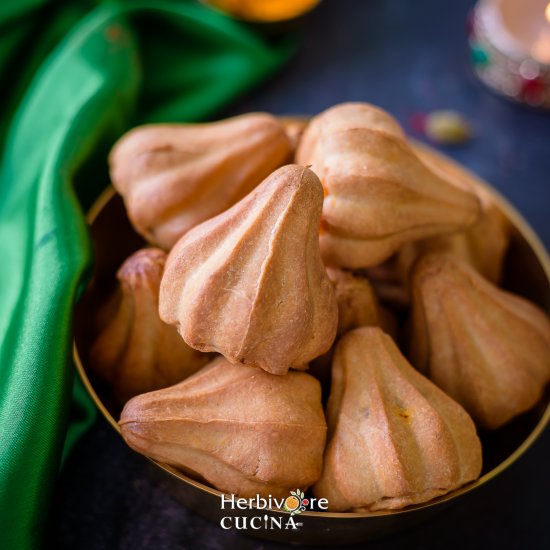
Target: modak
(241, 429)
(358, 304)
(134, 351)
(250, 284)
(294, 128)
(487, 348)
(395, 439)
(175, 176)
(379, 194)
(483, 245)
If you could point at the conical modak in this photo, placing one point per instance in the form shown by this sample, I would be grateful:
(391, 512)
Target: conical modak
(134, 350)
(250, 283)
(482, 245)
(358, 304)
(243, 430)
(294, 128)
(175, 176)
(379, 193)
(394, 439)
(487, 348)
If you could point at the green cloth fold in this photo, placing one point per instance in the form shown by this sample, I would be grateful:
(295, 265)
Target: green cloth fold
(118, 65)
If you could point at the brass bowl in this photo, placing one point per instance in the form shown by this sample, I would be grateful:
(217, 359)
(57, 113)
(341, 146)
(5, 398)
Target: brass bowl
(527, 272)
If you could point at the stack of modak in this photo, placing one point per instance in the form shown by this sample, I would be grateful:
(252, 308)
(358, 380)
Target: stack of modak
(274, 244)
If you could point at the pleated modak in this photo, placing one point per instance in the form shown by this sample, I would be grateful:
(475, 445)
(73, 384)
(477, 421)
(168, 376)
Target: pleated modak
(175, 176)
(482, 245)
(250, 284)
(358, 305)
(133, 350)
(487, 348)
(379, 193)
(241, 429)
(395, 439)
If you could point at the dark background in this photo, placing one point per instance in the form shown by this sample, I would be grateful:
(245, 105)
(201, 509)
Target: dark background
(408, 57)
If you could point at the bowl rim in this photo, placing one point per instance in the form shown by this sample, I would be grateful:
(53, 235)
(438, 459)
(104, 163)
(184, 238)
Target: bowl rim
(532, 240)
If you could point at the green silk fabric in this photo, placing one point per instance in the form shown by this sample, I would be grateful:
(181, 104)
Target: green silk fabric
(75, 76)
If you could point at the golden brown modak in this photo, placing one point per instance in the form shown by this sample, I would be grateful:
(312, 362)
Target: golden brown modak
(379, 193)
(250, 283)
(175, 176)
(243, 430)
(358, 304)
(134, 351)
(482, 245)
(294, 128)
(395, 439)
(487, 348)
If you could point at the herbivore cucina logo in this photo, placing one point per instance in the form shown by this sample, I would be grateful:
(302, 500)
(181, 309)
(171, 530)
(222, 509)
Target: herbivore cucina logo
(293, 505)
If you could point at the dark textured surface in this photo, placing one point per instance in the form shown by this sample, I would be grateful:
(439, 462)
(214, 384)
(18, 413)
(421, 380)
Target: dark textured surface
(406, 57)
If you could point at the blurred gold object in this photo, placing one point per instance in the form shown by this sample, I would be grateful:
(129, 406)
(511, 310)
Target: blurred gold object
(510, 48)
(263, 10)
(448, 127)
(527, 271)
